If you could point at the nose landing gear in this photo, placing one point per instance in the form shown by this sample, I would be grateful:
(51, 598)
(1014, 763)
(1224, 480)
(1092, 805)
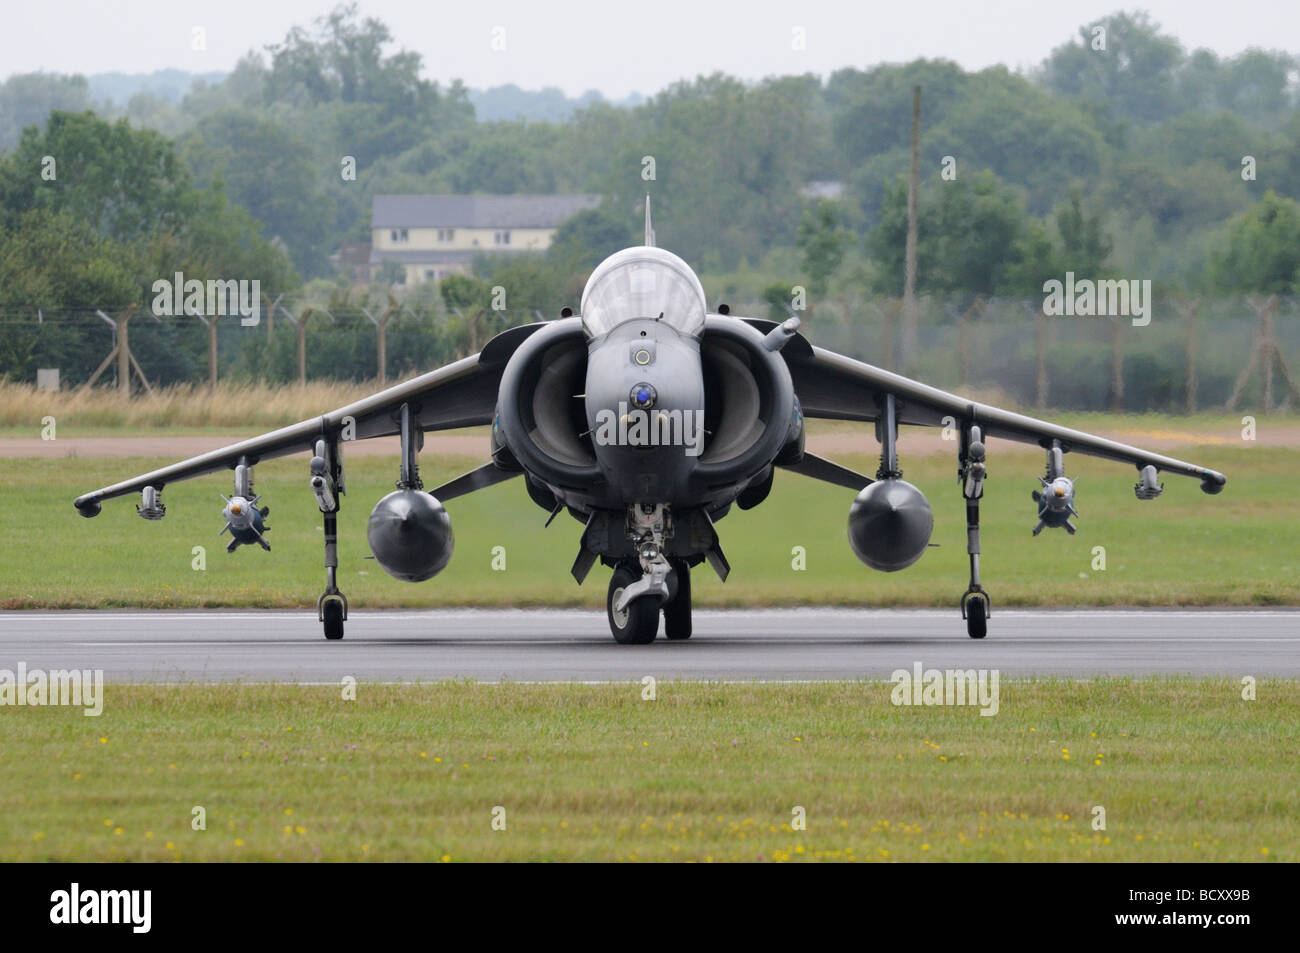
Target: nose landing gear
(639, 587)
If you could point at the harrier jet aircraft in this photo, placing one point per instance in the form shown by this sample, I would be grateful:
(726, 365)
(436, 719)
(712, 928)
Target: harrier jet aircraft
(648, 417)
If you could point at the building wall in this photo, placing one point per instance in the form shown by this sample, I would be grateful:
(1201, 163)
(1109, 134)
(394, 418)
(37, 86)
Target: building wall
(415, 274)
(464, 239)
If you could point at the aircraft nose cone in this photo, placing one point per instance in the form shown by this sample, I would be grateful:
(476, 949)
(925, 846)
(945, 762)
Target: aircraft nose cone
(1059, 491)
(236, 508)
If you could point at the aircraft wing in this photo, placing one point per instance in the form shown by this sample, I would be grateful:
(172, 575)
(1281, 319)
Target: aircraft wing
(833, 386)
(461, 394)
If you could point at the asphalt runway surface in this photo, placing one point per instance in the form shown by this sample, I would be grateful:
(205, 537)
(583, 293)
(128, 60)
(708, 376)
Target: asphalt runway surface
(573, 645)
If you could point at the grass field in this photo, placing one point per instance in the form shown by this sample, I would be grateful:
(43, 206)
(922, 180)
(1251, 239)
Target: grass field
(1185, 770)
(1238, 548)
(233, 404)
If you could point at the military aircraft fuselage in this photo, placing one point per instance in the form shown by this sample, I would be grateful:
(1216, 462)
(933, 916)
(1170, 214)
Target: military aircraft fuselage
(657, 407)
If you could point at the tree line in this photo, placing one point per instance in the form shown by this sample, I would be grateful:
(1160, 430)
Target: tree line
(1133, 157)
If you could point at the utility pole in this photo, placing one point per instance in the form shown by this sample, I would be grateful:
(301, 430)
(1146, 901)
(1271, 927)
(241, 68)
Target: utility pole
(212, 349)
(909, 262)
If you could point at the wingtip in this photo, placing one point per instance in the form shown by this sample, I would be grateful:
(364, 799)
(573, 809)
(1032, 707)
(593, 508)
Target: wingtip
(1213, 482)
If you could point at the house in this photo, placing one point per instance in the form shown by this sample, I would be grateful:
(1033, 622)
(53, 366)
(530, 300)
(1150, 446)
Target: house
(353, 259)
(823, 190)
(432, 236)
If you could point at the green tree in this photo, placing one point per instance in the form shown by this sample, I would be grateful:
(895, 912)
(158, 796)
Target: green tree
(27, 98)
(823, 242)
(968, 233)
(125, 183)
(1260, 249)
(591, 236)
(267, 169)
(1085, 246)
(56, 261)
(1136, 74)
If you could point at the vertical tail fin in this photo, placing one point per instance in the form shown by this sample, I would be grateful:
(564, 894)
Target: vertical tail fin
(649, 229)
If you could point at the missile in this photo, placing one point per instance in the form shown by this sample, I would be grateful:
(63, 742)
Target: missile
(974, 472)
(1055, 504)
(244, 522)
(322, 487)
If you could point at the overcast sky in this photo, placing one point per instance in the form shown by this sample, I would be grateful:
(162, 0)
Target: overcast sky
(616, 46)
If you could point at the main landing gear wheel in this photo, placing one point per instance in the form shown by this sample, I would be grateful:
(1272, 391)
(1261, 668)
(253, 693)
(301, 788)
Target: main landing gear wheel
(332, 615)
(677, 611)
(638, 624)
(976, 611)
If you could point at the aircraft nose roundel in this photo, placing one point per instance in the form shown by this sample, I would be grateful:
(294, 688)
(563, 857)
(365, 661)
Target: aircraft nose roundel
(643, 396)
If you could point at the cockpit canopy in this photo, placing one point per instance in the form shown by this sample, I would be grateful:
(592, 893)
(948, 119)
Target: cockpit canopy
(643, 282)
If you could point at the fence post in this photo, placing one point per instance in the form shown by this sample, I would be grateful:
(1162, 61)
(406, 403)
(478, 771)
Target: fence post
(381, 337)
(124, 354)
(1264, 351)
(302, 345)
(212, 353)
(1040, 347)
(1189, 313)
(1116, 365)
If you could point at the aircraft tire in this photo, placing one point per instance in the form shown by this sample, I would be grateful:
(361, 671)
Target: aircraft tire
(977, 623)
(677, 611)
(640, 623)
(333, 612)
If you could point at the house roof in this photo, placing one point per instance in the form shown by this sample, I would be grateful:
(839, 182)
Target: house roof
(477, 211)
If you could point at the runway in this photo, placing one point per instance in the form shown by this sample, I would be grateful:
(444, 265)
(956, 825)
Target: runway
(568, 645)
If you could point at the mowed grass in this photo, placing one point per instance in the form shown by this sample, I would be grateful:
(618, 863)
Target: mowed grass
(1184, 769)
(1186, 548)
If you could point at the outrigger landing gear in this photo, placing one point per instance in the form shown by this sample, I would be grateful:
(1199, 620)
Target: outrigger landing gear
(326, 486)
(975, 603)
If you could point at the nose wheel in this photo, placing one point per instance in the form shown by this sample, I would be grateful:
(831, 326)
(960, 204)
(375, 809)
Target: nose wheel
(632, 621)
(677, 610)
